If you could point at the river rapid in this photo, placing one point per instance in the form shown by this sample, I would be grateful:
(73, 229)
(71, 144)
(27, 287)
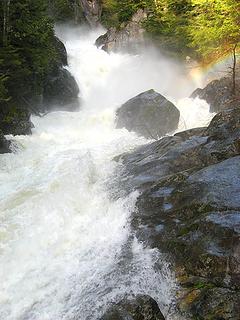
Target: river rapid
(66, 249)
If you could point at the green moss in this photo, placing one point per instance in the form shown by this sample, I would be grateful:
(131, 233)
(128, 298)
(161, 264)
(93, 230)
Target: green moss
(203, 285)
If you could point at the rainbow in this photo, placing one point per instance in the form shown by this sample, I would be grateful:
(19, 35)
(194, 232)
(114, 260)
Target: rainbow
(202, 75)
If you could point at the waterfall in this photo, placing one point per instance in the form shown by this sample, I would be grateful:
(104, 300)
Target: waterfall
(66, 248)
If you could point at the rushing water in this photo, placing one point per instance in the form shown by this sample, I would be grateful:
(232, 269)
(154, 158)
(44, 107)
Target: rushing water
(65, 246)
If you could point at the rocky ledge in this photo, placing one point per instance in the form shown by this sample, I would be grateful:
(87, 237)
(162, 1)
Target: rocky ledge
(189, 208)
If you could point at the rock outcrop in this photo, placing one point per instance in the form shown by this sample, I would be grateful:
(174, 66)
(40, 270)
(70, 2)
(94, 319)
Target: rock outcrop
(218, 94)
(189, 208)
(148, 114)
(129, 37)
(139, 307)
(60, 89)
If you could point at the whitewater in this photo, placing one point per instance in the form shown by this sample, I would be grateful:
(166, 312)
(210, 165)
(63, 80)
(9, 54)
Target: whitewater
(66, 248)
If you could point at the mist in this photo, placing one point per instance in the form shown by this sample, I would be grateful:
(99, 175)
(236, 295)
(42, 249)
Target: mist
(108, 80)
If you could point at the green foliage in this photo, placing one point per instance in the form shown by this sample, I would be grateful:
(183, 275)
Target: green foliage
(3, 91)
(116, 12)
(203, 27)
(167, 23)
(27, 48)
(63, 10)
(214, 28)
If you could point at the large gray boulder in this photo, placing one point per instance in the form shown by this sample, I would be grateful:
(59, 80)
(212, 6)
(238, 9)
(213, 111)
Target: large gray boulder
(149, 114)
(140, 307)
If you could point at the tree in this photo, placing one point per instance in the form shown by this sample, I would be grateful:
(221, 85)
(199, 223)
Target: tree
(27, 46)
(214, 29)
(6, 26)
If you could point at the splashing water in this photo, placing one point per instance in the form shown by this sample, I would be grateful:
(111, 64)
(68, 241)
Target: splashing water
(65, 247)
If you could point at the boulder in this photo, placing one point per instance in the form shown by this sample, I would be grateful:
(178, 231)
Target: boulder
(61, 91)
(129, 37)
(139, 307)
(149, 114)
(218, 94)
(189, 209)
(4, 144)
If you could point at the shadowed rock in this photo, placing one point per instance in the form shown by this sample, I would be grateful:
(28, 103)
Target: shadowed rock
(4, 144)
(15, 120)
(61, 91)
(218, 94)
(141, 307)
(63, 60)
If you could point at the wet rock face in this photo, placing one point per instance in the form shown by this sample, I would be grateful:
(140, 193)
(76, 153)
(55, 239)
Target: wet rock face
(130, 36)
(148, 114)
(141, 307)
(4, 144)
(189, 208)
(218, 94)
(61, 91)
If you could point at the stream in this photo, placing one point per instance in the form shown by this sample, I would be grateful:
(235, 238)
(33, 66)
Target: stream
(66, 248)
